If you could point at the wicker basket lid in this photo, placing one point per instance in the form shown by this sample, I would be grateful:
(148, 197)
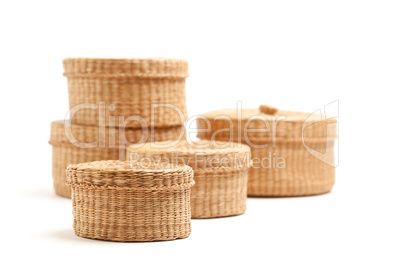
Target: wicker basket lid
(60, 134)
(202, 154)
(265, 124)
(85, 135)
(142, 68)
(122, 174)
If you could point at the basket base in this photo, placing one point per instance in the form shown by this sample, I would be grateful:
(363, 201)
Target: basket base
(289, 195)
(63, 191)
(155, 239)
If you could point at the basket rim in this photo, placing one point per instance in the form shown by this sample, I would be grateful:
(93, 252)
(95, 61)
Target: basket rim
(58, 126)
(108, 174)
(125, 59)
(186, 148)
(117, 166)
(125, 67)
(291, 116)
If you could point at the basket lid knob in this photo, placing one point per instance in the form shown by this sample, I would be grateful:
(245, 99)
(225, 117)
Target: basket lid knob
(268, 109)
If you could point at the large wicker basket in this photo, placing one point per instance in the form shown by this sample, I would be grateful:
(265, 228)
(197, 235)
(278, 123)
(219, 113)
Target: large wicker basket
(113, 200)
(292, 152)
(220, 173)
(90, 143)
(126, 88)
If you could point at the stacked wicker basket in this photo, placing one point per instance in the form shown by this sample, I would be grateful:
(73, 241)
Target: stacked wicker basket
(220, 173)
(113, 200)
(136, 109)
(292, 152)
(114, 103)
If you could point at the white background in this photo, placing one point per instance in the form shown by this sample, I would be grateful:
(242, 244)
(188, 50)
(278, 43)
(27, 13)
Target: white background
(297, 55)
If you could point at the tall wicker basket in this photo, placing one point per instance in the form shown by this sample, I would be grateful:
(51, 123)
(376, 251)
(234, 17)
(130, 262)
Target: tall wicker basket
(146, 92)
(292, 152)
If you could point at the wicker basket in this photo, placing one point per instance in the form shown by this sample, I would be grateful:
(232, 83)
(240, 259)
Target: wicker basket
(107, 143)
(220, 173)
(113, 200)
(282, 148)
(127, 87)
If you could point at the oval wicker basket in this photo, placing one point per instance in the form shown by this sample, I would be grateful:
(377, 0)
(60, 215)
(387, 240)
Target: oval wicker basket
(220, 173)
(282, 148)
(113, 200)
(127, 87)
(109, 145)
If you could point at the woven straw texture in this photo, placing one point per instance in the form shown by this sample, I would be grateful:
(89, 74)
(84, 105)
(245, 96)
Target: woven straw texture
(284, 167)
(66, 151)
(220, 173)
(115, 201)
(131, 86)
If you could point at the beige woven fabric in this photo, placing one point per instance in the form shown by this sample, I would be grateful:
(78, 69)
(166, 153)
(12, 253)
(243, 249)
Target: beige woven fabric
(66, 152)
(287, 167)
(113, 200)
(303, 174)
(220, 173)
(132, 86)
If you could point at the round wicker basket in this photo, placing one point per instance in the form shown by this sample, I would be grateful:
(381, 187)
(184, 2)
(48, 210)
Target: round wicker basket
(151, 90)
(82, 143)
(113, 200)
(292, 152)
(220, 173)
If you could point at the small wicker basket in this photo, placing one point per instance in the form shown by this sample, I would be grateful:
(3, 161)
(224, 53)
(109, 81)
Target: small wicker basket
(127, 87)
(220, 173)
(90, 143)
(282, 148)
(113, 200)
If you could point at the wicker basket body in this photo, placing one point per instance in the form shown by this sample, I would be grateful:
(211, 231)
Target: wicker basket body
(115, 201)
(283, 164)
(302, 174)
(109, 145)
(127, 87)
(220, 174)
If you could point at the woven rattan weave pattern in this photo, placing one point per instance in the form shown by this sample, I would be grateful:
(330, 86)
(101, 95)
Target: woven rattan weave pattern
(282, 163)
(151, 89)
(113, 200)
(67, 151)
(220, 173)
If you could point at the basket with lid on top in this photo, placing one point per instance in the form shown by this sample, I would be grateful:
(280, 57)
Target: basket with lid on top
(292, 152)
(146, 92)
(220, 172)
(73, 143)
(113, 200)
